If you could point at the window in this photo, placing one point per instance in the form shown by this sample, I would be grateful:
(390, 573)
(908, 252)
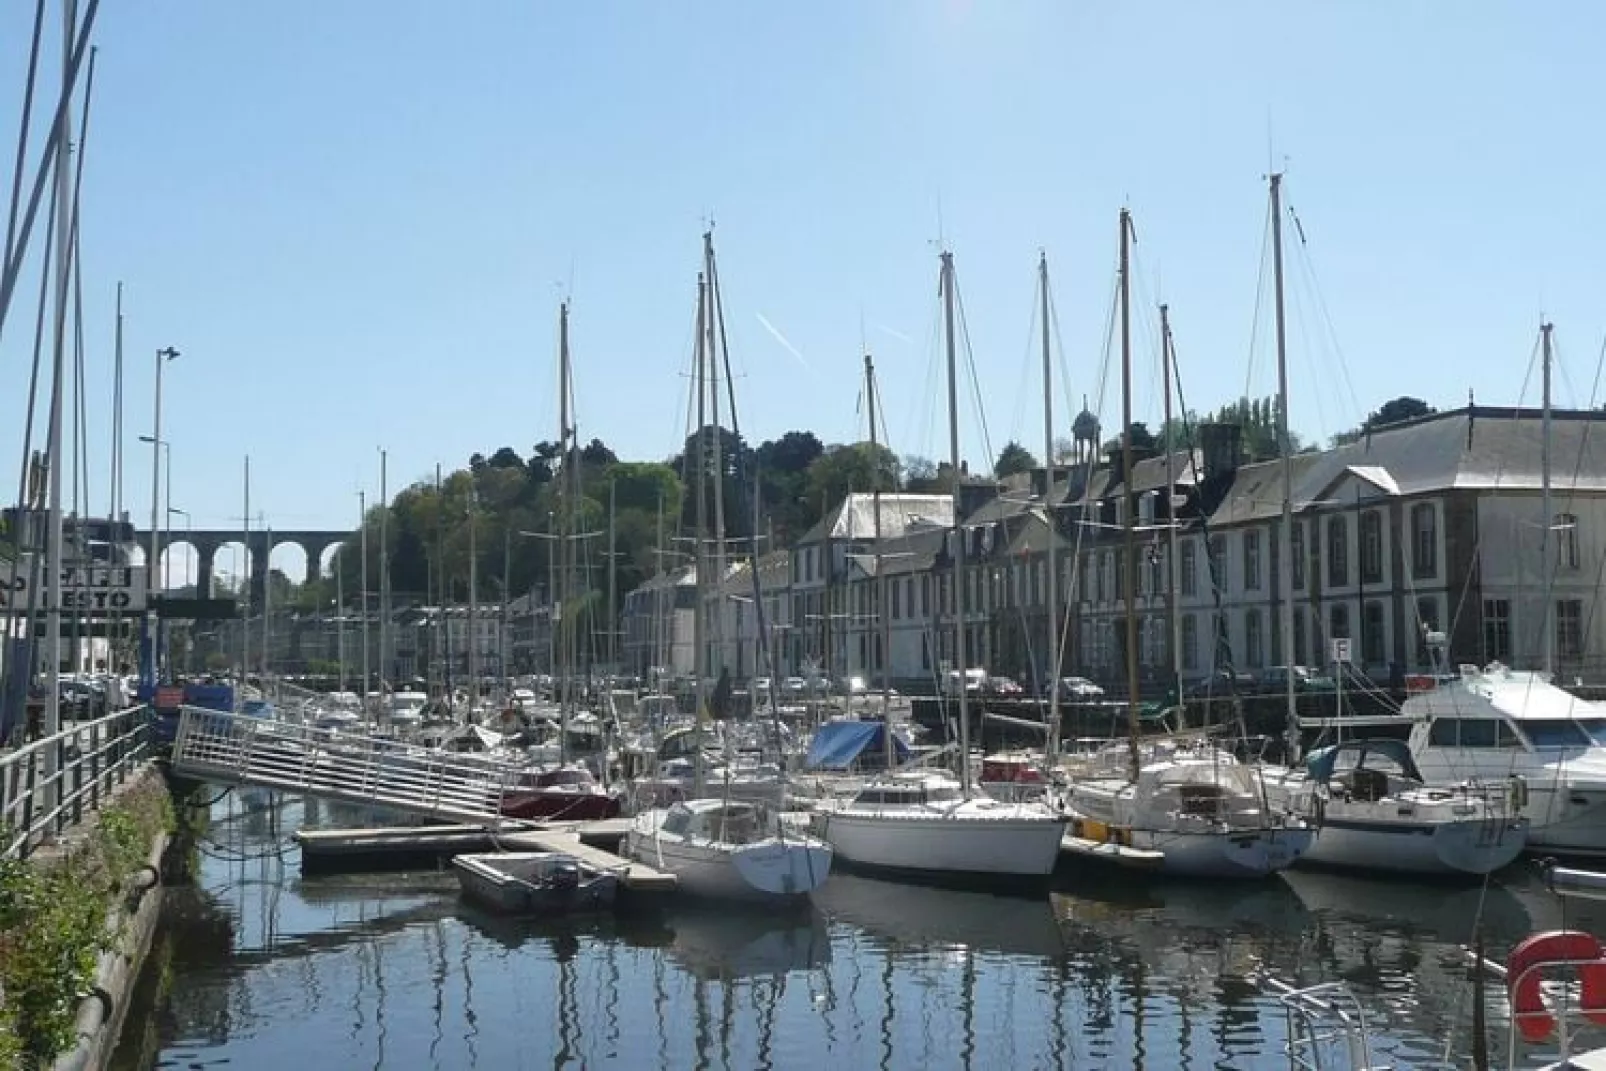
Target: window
(1371, 547)
(1251, 561)
(1190, 642)
(925, 651)
(1298, 655)
(1566, 529)
(1374, 637)
(1473, 732)
(925, 596)
(1103, 570)
(1338, 622)
(1496, 630)
(1337, 552)
(1569, 627)
(1190, 568)
(1555, 732)
(1254, 639)
(897, 600)
(1424, 541)
(1157, 583)
(1082, 591)
(1218, 563)
(1120, 575)
(1296, 541)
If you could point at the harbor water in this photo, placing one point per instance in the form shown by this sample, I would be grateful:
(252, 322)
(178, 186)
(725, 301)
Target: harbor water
(257, 966)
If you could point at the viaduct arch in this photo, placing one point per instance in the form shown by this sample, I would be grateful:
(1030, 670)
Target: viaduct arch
(260, 546)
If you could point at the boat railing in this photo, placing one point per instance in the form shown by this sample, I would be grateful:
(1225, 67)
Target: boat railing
(1327, 1029)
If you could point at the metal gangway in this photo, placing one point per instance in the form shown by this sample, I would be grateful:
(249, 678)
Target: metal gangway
(238, 749)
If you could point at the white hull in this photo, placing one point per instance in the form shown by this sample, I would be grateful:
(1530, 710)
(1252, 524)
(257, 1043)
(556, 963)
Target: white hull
(1024, 845)
(1242, 853)
(766, 871)
(1443, 848)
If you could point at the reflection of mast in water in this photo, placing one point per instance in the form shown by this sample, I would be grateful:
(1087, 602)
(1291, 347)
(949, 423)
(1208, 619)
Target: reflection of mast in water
(967, 1002)
(1138, 990)
(699, 992)
(566, 948)
(364, 951)
(610, 999)
(766, 1019)
(1059, 1037)
(469, 1019)
(660, 1001)
(437, 975)
(887, 1012)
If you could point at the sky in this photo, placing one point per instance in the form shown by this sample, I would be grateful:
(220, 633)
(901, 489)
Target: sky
(356, 220)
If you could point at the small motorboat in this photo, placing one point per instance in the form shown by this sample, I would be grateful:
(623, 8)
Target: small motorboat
(534, 883)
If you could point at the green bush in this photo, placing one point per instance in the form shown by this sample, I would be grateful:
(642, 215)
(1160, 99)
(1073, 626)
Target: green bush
(53, 924)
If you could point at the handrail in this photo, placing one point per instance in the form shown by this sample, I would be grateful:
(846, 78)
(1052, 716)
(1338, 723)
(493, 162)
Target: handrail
(45, 785)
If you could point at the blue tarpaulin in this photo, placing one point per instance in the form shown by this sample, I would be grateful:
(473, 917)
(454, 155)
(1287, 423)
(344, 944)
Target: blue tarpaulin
(839, 743)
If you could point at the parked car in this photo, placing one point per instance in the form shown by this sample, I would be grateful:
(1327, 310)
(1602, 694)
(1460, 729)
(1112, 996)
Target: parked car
(1002, 688)
(1079, 689)
(974, 680)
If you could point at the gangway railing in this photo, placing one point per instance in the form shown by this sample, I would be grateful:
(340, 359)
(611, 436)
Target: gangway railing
(46, 786)
(243, 750)
(1327, 1029)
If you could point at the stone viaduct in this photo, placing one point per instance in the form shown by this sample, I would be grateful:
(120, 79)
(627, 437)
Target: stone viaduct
(259, 544)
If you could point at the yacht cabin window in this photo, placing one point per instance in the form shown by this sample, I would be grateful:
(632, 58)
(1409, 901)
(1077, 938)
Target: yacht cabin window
(1556, 732)
(1473, 733)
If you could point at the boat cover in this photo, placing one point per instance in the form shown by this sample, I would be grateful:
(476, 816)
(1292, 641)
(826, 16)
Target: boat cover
(838, 743)
(1319, 766)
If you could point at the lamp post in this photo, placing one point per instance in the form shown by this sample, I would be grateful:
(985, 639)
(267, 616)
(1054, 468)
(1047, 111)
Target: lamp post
(163, 356)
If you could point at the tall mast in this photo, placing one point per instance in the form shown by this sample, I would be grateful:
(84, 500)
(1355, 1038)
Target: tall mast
(1129, 543)
(1547, 635)
(958, 522)
(53, 544)
(116, 513)
(613, 578)
(473, 601)
(267, 603)
(362, 528)
(1051, 598)
(657, 630)
(340, 622)
(1285, 537)
(718, 457)
(884, 607)
(700, 473)
(443, 638)
(250, 578)
(567, 459)
(1174, 622)
(385, 668)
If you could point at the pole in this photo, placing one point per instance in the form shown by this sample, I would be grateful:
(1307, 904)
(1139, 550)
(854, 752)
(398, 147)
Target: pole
(613, 579)
(1285, 535)
(386, 671)
(362, 528)
(167, 514)
(156, 528)
(1547, 633)
(267, 605)
(718, 435)
(473, 605)
(1174, 622)
(503, 637)
(567, 460)
(1129, 554)
(441, 631)
(958, 522)
(340, 622)
(551, 600)
(53, 546)
(700, 475)
(884, 610)
(117, 466)
(245, 589)
(1051, 598)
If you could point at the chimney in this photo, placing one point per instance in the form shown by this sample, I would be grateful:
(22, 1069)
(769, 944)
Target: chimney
(1220, 444)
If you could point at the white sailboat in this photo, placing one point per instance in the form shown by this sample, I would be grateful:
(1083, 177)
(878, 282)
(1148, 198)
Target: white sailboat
(724, 848)
(1181, 806)
(929, 824)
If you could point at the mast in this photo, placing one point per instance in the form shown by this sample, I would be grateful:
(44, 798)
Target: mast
(718, 458)
(473, 602)
(613, 580)
(250, 574)
(443, 638)
(1547, 634)
(883, 607)
(267, 603)
(1174, 622)
(699, 667)
(54, 540)
(362, 509)
(1051, 599)
(385, 668)
(340, 622)
(1129, 543)
(567, 459)
(116, 516)
(657, 630)
(505, 629)
(1285, 537)
(958, 521)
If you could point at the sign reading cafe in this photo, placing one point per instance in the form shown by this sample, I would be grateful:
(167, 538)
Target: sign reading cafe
(93, 589)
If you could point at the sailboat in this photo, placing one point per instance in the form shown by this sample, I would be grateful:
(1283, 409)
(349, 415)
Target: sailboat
(1183, 806)
(721, 847)
(1368, 797)
(928, 824)
(566, 791)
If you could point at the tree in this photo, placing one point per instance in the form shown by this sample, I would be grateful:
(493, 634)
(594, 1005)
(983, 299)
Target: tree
(783, 471)
(1142, 439)
(1013, 459)
(858, 467)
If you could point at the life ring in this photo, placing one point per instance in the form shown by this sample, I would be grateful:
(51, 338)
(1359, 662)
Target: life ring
(1524, 974)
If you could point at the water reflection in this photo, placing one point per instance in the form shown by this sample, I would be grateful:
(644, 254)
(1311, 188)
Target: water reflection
(264, 968)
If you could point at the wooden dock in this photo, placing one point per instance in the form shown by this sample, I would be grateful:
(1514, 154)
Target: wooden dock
(326, 851)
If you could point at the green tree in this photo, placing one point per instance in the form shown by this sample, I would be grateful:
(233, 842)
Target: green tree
(858, 467)
(1013, 460)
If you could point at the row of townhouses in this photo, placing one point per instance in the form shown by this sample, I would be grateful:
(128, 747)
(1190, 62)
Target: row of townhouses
(1433, 527)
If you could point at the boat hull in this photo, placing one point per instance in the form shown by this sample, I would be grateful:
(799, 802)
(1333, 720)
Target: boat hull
(1237, 854)
(485, 880)
(1434, 849)
(936, 847)
(772, 871)
(560, 806)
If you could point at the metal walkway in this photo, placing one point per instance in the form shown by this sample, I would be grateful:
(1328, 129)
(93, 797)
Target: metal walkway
(375, 771)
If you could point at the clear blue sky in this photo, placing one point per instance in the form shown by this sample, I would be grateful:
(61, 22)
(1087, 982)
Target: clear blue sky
(357, 219)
